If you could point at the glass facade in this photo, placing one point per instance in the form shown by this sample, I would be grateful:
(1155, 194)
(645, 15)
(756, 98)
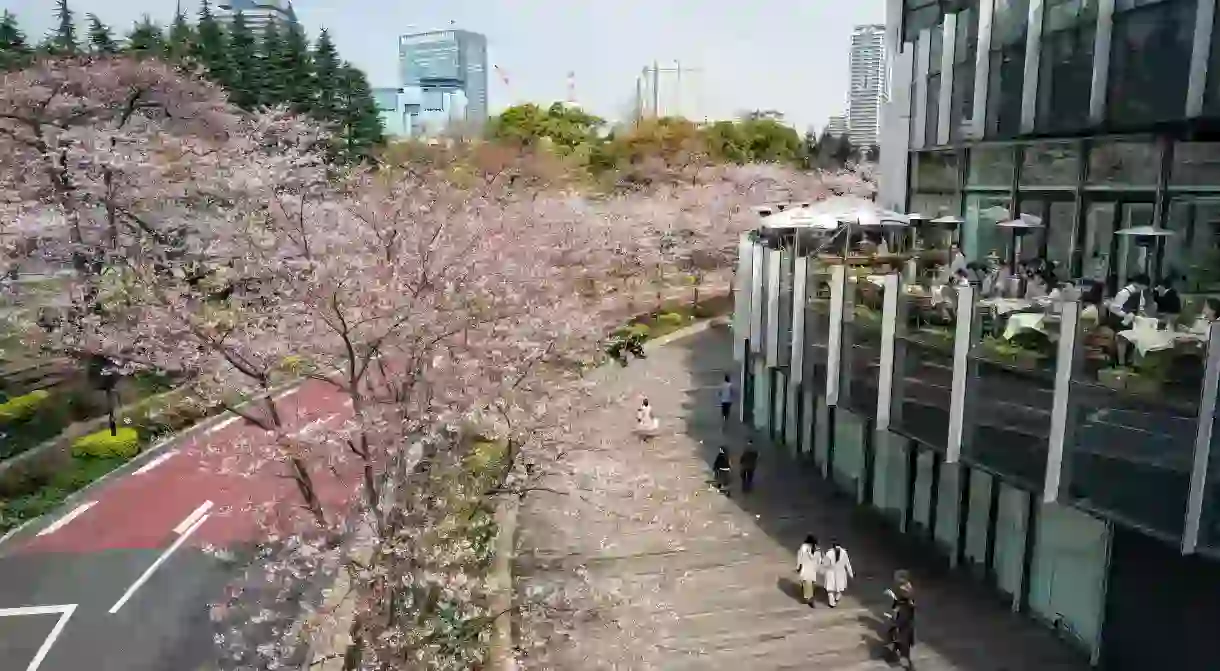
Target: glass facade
(1006, 73)
(1150, 52)
(1069, 29)
(965, 52)
(861, 344)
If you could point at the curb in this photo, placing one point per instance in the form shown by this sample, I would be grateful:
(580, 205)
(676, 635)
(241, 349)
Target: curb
(144, 457)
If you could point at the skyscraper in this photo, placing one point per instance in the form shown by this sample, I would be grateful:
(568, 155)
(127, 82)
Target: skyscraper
(868, 85)
(836, 126)
(258, 13)
(441, 62)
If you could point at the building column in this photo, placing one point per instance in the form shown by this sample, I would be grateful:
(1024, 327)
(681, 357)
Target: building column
(756, 297)
(923, 54)
(982, 67)
(772, 319)
(1101, 61)
(796, 362)
(1201, 49)
(741, 297)
(834, 345)
(944, 105)
(1033, 60)
(889, 330)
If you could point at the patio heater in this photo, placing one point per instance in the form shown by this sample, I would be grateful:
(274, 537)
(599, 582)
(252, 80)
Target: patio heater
(953, 223)
(1149, 243)
(1019, 227)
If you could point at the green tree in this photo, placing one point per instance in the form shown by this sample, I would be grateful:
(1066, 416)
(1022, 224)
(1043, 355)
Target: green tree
(325, 103)
(359, 131)
(809, 150)
(62, 41)
(271, 90)
(146, 38)
(726, 142)
(14, 51)
(770, 140)
(242, 72)
(181, 37)
(100, 38)
(562, 127)
(295, 67)
(209, 47)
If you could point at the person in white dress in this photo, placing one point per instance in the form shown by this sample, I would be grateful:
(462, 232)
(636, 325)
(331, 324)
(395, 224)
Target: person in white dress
(809, 566)
(836, 571)
(646, 423)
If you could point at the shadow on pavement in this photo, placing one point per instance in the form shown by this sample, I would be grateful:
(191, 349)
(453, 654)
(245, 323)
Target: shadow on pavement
(961, 621)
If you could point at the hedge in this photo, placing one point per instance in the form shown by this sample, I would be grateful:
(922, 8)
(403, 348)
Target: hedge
(124, 444)
(20, 409)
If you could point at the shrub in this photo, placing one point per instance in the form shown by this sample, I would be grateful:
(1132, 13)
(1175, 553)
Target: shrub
(81, 472)
(20, 409)
(167, 413)
(671, 320)
(124, 444)
(633, 330)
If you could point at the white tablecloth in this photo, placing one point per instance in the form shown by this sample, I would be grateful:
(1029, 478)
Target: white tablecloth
(1148, 340)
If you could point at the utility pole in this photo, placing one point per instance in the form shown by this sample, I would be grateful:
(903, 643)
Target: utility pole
(653, 75)
(656, 89)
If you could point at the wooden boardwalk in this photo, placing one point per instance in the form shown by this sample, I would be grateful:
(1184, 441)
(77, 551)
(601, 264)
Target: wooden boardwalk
(684, 578)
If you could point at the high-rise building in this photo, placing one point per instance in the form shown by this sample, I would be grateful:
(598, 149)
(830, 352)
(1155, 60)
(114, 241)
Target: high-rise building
(440, 63)
(868, 84)
(836, 126)
(258, 13)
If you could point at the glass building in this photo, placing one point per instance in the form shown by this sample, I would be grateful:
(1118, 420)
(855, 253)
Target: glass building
(1011, 435)
(439, 63)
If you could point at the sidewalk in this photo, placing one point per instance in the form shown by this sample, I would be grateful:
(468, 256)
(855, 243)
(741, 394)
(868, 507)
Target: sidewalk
(693, 580)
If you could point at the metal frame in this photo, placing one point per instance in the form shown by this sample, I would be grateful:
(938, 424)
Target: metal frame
(1064, 362)
(944, 102)
(1101, 62)
(1201, 48)
(1203, 443)
(838, 282)
(982, 72)
(961, 352)
(1033, 59)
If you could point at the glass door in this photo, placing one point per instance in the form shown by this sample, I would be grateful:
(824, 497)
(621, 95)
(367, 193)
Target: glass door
(1055, 240)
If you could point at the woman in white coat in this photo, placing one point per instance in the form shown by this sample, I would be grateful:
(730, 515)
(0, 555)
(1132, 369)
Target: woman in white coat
(836, 571)
(809, 566)
(646, 423)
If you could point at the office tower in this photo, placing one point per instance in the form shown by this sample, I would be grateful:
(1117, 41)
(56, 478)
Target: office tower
(258, 13)
(442, 63)
(868, 84)
(836, 126)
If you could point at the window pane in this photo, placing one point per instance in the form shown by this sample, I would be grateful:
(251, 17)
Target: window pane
(1059, 219)
(980, 236)
(935, 171)
(1150, 62)
(1193, 254)
(1050, 164)
(1195, 164)
(1098, 237)
(1123, 163)
(991, 166)
(1005, 79)
(1066, 65)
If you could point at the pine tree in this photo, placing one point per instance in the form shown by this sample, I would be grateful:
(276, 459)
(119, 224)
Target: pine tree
(100, 39)
(325, 104)
(271, 52)
(181, 37)
(359, 130)
(14, 52)
(296, 68)
(63, 42)
(241, 76)
(209, 47)
(146, 38)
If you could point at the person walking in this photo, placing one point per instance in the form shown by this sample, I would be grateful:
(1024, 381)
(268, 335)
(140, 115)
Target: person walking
(646, 422)
(725, 395)
(721, 471)
(836, 572)
(809, 562)
(749, 462)
(902, 628)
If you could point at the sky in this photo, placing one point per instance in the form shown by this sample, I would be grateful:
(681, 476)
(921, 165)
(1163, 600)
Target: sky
(784, 55)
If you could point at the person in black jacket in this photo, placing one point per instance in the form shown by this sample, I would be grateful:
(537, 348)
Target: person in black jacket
(749, 462)
(902, 628)
(721, 470)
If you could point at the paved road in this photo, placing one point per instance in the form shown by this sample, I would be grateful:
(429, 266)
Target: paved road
(132, 569)
(681, 577)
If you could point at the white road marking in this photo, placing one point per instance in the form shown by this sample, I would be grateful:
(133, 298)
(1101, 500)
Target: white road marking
(190, 519)
(160, 560)
(155, 463)
(64, 611)
(224, 425)
(63, 521)
(317, 423)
